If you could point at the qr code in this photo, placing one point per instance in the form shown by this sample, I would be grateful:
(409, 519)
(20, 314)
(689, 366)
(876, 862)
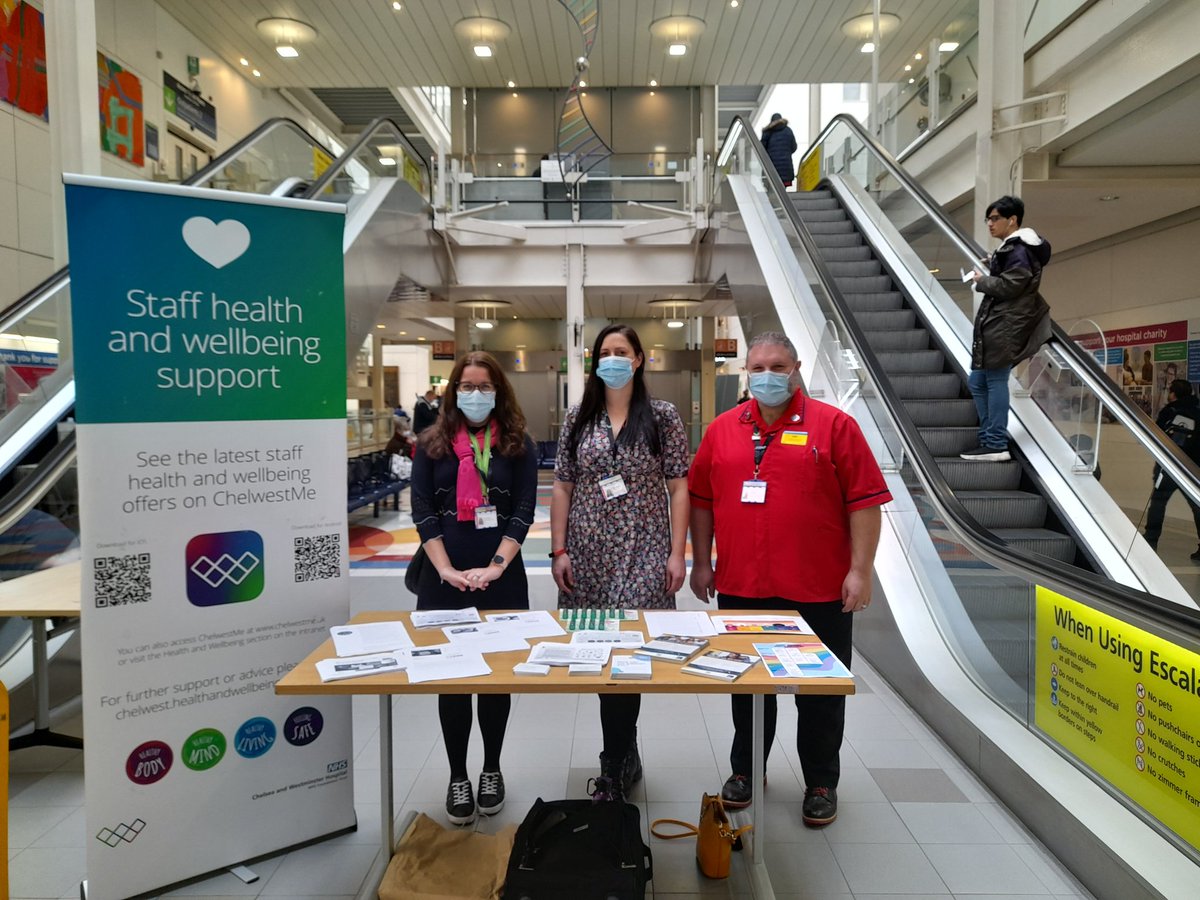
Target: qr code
(319, 557)
(121, 579)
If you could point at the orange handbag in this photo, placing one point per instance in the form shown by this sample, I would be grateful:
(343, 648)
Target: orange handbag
(715, 836)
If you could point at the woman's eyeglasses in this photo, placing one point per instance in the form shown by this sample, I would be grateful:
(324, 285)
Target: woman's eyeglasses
(484, 388)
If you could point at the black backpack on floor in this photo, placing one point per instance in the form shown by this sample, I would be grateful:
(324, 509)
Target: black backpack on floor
(580, 850)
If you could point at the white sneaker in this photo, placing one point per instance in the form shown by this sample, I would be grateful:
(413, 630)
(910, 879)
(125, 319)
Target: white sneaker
(986, 454)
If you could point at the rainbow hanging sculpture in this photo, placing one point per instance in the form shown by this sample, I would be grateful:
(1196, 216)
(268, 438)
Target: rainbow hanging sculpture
(579, 147)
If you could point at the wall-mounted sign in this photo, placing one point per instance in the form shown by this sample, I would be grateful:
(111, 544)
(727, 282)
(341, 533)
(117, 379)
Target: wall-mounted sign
(725, 346)
(151, 141)
(193, 66)
(443, 349)
(180, 100)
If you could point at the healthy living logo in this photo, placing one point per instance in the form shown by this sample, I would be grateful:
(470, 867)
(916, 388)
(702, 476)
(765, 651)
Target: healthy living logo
(255, 737)
(224, 567)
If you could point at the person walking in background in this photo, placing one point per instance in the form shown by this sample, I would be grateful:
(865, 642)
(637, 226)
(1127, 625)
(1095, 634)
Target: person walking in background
(619, 518)
(425, 411)
(1012, 322)
(780, 143)
(474, 487)
(791, 492)
(1180, 419)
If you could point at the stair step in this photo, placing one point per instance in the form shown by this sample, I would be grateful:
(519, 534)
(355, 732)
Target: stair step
(822, 194)
(890, 320)
(826, 240)
(1040, 540)
(898, 339)
(880, 301)
(865, 284)
(809, 201)
(950, 441)
(979, 476)
(843, 227)
(942, 386)
(1005, 509)
(834, 214)
(854, 268)
(943, 414)
(930, 361)
(847, 254)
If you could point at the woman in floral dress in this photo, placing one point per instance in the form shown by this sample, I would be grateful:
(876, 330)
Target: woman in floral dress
(618, 517)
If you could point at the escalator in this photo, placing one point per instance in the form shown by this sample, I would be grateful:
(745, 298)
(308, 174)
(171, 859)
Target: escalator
(969, 548)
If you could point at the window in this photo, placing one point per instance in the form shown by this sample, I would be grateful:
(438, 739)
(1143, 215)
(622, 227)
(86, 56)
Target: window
(852, 92)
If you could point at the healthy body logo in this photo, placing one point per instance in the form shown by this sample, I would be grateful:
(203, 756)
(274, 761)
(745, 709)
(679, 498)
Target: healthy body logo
(224, 567)
(149, 762)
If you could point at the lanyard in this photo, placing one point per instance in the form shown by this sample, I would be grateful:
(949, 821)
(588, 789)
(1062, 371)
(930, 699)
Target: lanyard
(760, 448)
(612, 441)
(483, 457)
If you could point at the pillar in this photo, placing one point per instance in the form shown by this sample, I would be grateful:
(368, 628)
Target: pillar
(573, 340)
(1001, 81)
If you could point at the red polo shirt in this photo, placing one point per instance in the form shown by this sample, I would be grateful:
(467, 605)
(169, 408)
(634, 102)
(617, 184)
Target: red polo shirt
(818, 469)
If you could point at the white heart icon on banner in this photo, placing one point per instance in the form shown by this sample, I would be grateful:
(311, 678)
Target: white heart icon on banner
(216, 244)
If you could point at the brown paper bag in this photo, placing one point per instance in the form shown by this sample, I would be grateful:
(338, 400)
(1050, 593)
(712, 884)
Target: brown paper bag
(431, 863)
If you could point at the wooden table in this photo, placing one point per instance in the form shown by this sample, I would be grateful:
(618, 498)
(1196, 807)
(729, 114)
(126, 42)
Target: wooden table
(303, 679)
(39, 596)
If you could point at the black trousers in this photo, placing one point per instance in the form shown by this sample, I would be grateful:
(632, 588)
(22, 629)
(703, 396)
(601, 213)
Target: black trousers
(822, 718)
(1163, 489)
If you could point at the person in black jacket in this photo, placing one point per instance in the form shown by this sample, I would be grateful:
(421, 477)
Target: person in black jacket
(1180, 419)
(780, 144)
(425, 412)
(1012, 322)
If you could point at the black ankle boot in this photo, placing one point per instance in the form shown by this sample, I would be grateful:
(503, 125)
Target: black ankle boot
(607, 788)
(631, 770)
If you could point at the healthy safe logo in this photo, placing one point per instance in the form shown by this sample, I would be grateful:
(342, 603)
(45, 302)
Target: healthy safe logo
(255, 737)
(303, 726)
(224, 567)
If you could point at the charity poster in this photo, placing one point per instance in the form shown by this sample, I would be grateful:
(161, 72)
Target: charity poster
(1144, 360)
(210, 406)
(122, 121)
(1126, 703)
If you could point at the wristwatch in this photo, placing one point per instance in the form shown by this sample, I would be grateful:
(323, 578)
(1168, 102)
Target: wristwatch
(499, 560)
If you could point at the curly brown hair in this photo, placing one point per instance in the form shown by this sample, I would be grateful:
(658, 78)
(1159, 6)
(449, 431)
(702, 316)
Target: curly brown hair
(438, 439)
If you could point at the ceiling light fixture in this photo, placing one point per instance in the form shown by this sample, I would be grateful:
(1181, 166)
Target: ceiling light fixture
(675, 323)
(483, 51)
(653, 82)
(286, 34)
(421, 338)
(485, 325)
(908, 68)
(511, 84)
(256, 73)
(733, 4)
(862, 28)
(677, 49)
(917, 56)
(386, 161)
(483, 33)
(868, 47)
(404, 332)
(287, 51)
(582, 83)
(1109, 197)
(397, 5)
(679, 32)
(244, 61)
(947, 46)
(381, 326)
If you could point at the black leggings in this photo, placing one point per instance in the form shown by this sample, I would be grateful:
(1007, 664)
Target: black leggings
(454, 710)
(618, 722)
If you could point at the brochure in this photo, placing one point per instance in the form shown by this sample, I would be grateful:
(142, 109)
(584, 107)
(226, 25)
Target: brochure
(801, 659)
(781, 624)
(535, 623)
(357, 666)
(671, 647)
(439, 618)
(616, 638)
(625, 666)
(691, 622)
(489, 637)
(585, 669)
(566, 654)
(445, 661)
(725, 665)
(373, 637)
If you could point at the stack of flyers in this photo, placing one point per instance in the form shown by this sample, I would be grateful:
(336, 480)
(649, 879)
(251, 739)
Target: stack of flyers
(568, 654)
(801, 659)
(439, 618)
(671, 647)
(372, 637)
(760, 624)
(357, 666)
(616, 638)
(625, 666)
(725, 665)
(533, 623)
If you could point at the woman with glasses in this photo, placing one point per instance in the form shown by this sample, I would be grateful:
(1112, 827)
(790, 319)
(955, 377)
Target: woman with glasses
(474, 486)
(619, 517)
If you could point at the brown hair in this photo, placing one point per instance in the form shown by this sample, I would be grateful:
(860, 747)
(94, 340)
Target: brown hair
(438, 439)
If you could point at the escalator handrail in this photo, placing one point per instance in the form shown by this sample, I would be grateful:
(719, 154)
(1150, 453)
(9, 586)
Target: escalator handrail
(351, 153)
(22, 498)
(34, 297)
(982, 542)
(1166, 453)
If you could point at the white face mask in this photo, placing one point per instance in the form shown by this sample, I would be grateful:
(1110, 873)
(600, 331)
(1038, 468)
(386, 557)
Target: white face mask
(476, 406)
(771, 388)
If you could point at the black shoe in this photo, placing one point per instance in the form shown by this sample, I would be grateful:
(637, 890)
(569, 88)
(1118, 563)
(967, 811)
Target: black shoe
(460, 804)
(1195, 557)
(1153, 542)
(631, 771)
(737, 793)
(490, 798)
(820, 806)
(986, 454)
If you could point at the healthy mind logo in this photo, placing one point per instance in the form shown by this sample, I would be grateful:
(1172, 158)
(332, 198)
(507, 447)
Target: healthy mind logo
(203, 750)
(255, 737)
(224, 567)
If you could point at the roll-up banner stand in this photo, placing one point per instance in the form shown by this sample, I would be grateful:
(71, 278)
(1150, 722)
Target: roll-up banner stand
(208, 340)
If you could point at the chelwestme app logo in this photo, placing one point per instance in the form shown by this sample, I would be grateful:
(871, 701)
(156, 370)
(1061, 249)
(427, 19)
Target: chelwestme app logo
(224, 567)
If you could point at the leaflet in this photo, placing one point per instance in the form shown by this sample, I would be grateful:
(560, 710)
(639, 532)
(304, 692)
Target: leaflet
(357, 666)
(372, 637)
(535, 623)
(567, 654)
(444, 661)
(486, 638)
(616, 638)
(801, 659)
(439, 618)
(780, 624)
(625, 666)
(725, 665)
(688, 622)
(671, 647)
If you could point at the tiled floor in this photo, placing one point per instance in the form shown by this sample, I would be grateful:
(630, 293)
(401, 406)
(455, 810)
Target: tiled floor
(912, 822)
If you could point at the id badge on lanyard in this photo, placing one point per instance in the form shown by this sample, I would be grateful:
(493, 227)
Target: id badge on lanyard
(754, 490)
(613, 487)
(485, 516)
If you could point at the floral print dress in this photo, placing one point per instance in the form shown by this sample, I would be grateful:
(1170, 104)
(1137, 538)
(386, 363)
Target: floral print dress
(619, 548)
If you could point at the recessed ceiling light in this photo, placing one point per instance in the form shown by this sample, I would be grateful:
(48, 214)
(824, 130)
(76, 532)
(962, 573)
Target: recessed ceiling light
(519, 150)
(917, 56)
(582, 83)
(908, 68)
(676, 49)
(675, 323)
(653, 82)
(397, 5)
(1108, 197)
(656, 346)
(483, 51)
(387, 161)
(244, 61)
(485, 325)
(868, 47)
(912, 81)
(660, 148)
(404, 332)
(381, 326)
(934, 271)
(421, 338)
(515, 94)
(256, 73)
(652, 93)
(584, 94)
(287, 51)
(947, 46)
(511, 83)
(733, 3)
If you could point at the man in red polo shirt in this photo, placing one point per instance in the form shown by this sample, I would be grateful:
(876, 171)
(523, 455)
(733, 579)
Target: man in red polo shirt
(792, 492)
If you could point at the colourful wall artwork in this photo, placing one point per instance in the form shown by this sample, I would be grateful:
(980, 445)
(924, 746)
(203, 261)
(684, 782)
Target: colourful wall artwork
(122, 125)
(23, 58)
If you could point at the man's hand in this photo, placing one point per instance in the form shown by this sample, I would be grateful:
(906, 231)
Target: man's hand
(856, 592)
(702, 581)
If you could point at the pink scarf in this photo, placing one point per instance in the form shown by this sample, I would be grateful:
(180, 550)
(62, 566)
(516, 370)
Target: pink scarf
(469, 494)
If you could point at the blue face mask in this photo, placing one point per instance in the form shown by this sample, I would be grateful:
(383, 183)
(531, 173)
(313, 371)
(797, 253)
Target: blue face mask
(615, 371)
(771, 388)
(476, 406)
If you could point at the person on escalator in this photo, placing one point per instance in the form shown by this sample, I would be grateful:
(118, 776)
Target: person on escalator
(780, 143)
(1012, 322)
(1180, 419)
